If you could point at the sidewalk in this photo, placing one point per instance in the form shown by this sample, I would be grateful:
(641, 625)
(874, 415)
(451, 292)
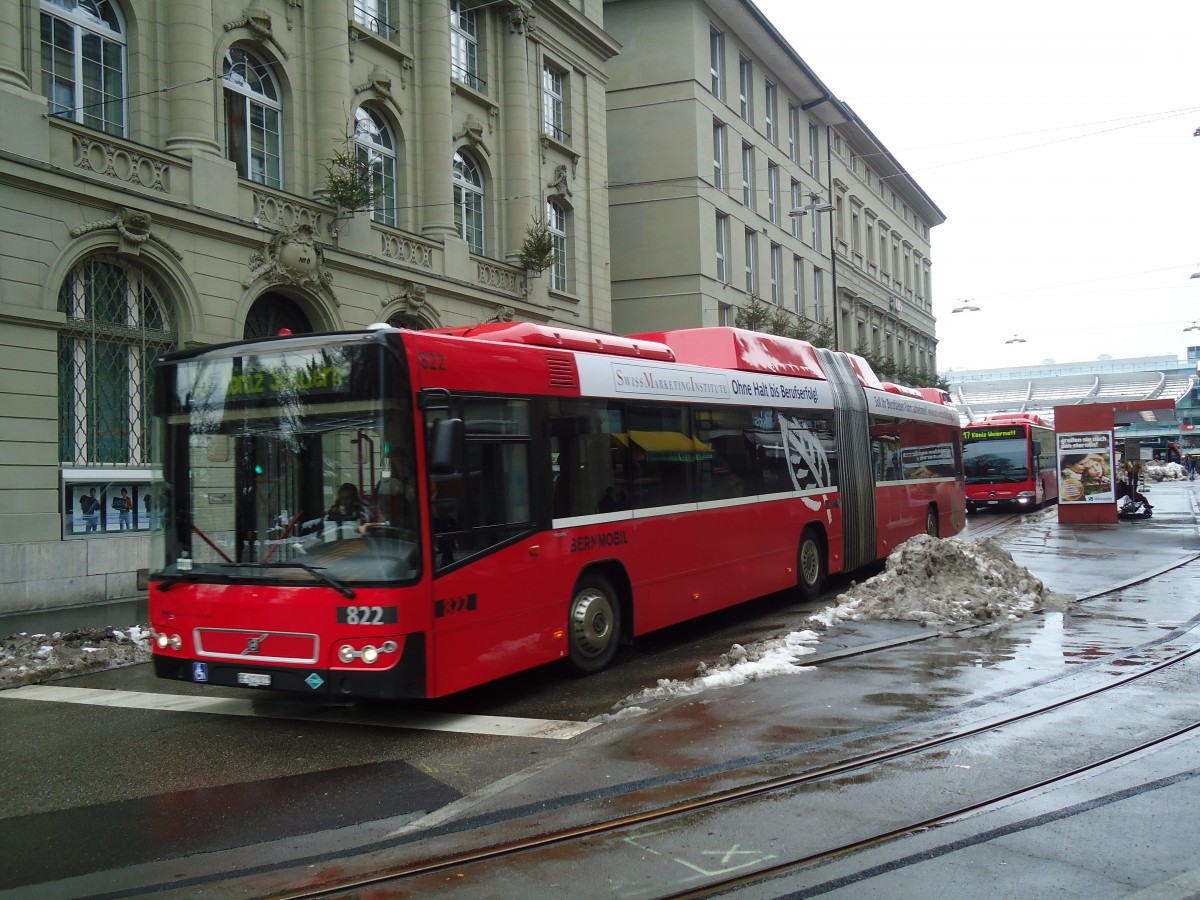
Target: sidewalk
(1088, 559)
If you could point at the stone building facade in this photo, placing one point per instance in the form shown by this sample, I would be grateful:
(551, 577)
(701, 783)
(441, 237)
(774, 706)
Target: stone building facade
(165, 181)
(736, 173)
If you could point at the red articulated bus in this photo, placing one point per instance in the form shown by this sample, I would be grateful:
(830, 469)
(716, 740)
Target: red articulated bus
(398, 513)
(1009, 462)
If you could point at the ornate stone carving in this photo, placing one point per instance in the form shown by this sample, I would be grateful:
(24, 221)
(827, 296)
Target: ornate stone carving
(290, 257)
(282, 213)
(293, 5)
(258, 22)
(472, 130)
(503, 314)
(104, 158)
(410, 299)
(506, 280)
(559, 186)
(132, 227)
(521, 19)
(381, 84)
(406, 250)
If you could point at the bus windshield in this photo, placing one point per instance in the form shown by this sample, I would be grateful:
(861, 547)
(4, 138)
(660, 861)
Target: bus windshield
(288, 465)
(996, 461)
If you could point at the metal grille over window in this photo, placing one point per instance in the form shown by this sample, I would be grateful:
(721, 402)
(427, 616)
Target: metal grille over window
(116, 327)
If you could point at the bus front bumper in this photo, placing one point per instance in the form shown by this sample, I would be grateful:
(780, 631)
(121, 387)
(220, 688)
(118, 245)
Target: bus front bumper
(406, 679)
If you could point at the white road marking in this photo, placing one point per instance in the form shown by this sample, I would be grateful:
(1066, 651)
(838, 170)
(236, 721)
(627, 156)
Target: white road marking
(502, 726)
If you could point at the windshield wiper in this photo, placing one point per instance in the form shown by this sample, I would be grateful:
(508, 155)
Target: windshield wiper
(318, 573)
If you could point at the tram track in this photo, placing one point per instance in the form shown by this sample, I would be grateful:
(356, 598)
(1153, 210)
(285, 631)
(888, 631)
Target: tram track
(394, 877)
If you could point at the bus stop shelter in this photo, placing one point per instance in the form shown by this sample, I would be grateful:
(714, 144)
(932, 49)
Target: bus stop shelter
(1085, 441)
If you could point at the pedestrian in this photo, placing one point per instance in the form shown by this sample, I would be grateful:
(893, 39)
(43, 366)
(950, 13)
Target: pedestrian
(123, 506)
(89, 505)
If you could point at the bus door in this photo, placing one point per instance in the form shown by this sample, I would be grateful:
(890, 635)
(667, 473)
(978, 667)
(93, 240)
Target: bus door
(491, 612)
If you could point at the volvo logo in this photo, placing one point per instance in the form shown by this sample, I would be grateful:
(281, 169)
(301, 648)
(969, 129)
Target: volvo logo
(253, 645)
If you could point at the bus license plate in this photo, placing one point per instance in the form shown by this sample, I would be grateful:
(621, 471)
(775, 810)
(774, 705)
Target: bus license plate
(253, 679)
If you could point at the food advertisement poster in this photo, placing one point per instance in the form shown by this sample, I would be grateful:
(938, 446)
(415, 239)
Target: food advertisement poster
(1085, 467)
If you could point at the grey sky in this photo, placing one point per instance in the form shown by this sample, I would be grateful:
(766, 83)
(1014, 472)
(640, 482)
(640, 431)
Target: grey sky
(1057, 138)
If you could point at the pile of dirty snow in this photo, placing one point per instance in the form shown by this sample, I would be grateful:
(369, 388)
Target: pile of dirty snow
(927, 580)
(32, 658)
(1156, 471)
(944, 582)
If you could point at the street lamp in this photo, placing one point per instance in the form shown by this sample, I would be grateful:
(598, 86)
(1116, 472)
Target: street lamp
(1193, 327)
(1015, 339)
(966, 307)
(814, 206)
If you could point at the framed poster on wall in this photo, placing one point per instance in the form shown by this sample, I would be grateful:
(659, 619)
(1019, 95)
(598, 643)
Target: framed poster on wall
(1085, 467)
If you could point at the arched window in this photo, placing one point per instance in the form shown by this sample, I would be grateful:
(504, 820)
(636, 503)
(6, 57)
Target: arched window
(83, 62)
(468, 202)
(556, 223)
(253, 118)
(377, 152)
(116, 327)
(271, 313)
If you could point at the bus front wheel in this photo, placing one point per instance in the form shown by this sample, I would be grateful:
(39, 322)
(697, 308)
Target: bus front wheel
(593, 625)
(812, 565)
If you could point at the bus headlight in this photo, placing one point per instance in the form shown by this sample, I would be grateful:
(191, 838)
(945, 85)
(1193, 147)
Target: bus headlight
(370, 655)
(161, 641)
(176, 642)
(346, 653)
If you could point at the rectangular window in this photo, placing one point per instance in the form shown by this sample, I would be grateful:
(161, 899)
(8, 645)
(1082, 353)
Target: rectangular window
(745, 87)
(722, 243)
(773, 192)
(776, 273)
(793, 133)
(814, 151)
(770, 112)
(798, 285)
(716, 53)
(464, 44)
(553, 104)
(818, 295)
(816, 229)
(720, 182)
(373, 14)
(751, 253)
(748, 176)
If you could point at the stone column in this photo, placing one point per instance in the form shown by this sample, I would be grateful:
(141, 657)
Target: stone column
(12, 72)
(435, 191)
(190, 61)
(518, 124)
(331, 80)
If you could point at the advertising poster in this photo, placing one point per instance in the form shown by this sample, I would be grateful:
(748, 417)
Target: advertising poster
(1085, 467)
(931, 461)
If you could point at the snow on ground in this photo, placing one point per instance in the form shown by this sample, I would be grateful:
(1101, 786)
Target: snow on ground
(1156, 471)
(34, 658)
(927, 580)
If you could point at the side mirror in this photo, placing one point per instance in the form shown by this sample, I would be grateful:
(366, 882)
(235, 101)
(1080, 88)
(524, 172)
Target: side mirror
(444, 441)
(1037, 448)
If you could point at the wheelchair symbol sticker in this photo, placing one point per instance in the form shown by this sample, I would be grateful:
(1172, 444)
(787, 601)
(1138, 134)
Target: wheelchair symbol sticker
(199, 671)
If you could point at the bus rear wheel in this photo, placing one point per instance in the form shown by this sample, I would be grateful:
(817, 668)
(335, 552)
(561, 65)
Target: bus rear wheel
(593, 625)
(931, 522)
(811, 560)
